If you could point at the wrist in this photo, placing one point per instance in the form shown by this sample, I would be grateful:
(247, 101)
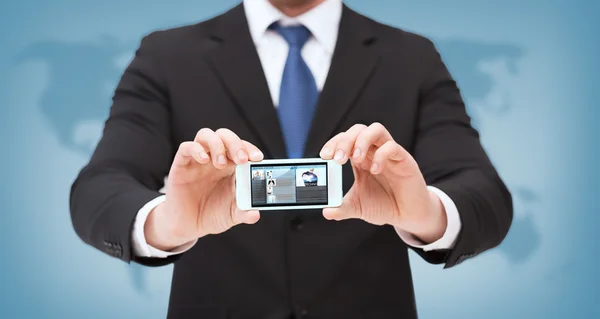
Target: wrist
(431, 223)
(157, 230)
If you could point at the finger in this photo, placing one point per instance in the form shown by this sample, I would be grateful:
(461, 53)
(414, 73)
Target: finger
(374, 135)
(188, 152)
(254, 153)
(390, 151)
(246, 216)
(234, 146)
(345, 144)
(215, 147)
(328, 149)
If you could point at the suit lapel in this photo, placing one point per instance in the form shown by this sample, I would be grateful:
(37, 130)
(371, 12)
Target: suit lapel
(235, 61)
(353, 62)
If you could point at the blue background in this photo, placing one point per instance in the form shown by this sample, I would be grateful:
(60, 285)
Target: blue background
(527, 70)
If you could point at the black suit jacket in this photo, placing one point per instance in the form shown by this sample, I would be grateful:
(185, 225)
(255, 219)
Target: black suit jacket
(291, 262)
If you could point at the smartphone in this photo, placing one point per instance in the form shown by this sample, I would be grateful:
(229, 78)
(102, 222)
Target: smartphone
(307, 183)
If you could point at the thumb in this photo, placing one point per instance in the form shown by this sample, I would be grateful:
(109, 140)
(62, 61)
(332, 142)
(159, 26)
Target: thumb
(246, 216)
(347, 210)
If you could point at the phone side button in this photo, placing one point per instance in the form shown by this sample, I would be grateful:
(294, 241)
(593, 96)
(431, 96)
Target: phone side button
(297, 224)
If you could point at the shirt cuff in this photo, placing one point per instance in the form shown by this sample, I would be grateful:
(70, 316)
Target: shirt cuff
(452, 228)
(138, 239)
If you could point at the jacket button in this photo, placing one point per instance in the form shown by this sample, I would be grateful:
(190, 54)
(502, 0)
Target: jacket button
(303, 312)
(297, 224)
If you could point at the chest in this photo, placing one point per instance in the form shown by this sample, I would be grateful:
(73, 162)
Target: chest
(204, 96)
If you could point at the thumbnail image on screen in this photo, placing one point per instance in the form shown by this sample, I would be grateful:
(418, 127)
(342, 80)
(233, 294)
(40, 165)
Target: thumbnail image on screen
(288, 185)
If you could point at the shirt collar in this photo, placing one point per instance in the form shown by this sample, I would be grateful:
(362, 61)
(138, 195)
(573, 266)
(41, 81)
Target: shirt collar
(323, 21)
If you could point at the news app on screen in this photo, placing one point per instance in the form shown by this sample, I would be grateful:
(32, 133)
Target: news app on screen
(288, 185)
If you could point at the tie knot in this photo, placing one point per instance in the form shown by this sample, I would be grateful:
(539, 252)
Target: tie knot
(295, 36)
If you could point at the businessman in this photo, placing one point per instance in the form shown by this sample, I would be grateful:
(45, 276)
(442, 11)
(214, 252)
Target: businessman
(289, 79)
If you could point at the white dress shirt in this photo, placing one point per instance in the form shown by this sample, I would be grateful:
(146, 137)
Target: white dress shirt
(323, 22)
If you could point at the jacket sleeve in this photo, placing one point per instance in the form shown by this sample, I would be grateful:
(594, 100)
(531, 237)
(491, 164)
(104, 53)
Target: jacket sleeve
(130, 162)
(451, 158)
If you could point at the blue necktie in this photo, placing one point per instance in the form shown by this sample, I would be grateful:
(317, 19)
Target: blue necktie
(298, 93)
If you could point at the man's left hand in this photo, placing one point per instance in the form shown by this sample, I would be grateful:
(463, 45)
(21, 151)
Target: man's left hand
(388, 185)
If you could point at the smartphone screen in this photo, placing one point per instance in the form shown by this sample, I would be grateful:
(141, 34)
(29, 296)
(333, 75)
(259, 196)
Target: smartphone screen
(288, 184)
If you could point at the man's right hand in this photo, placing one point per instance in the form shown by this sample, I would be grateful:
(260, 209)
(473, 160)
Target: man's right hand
(200, 190)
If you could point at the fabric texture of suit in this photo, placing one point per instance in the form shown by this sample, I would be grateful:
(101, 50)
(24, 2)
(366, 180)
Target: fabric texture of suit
(291, 263)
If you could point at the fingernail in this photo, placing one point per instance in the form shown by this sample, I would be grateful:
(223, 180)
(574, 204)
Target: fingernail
(356, 153)
(339, 155)
(202, 155)
(241, 155)
(221, 160)
(374, 168)
(326, 152)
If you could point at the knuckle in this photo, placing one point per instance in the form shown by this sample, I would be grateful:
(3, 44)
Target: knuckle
(343, 141)
(362, 138)
(222, 131)
(203, 132)
(377, 126)
(227, 136)
(334, 140)
(339, 135)
(358, 126)
(389, 145)
(346, 144)
(218, 148)
(184, 145)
